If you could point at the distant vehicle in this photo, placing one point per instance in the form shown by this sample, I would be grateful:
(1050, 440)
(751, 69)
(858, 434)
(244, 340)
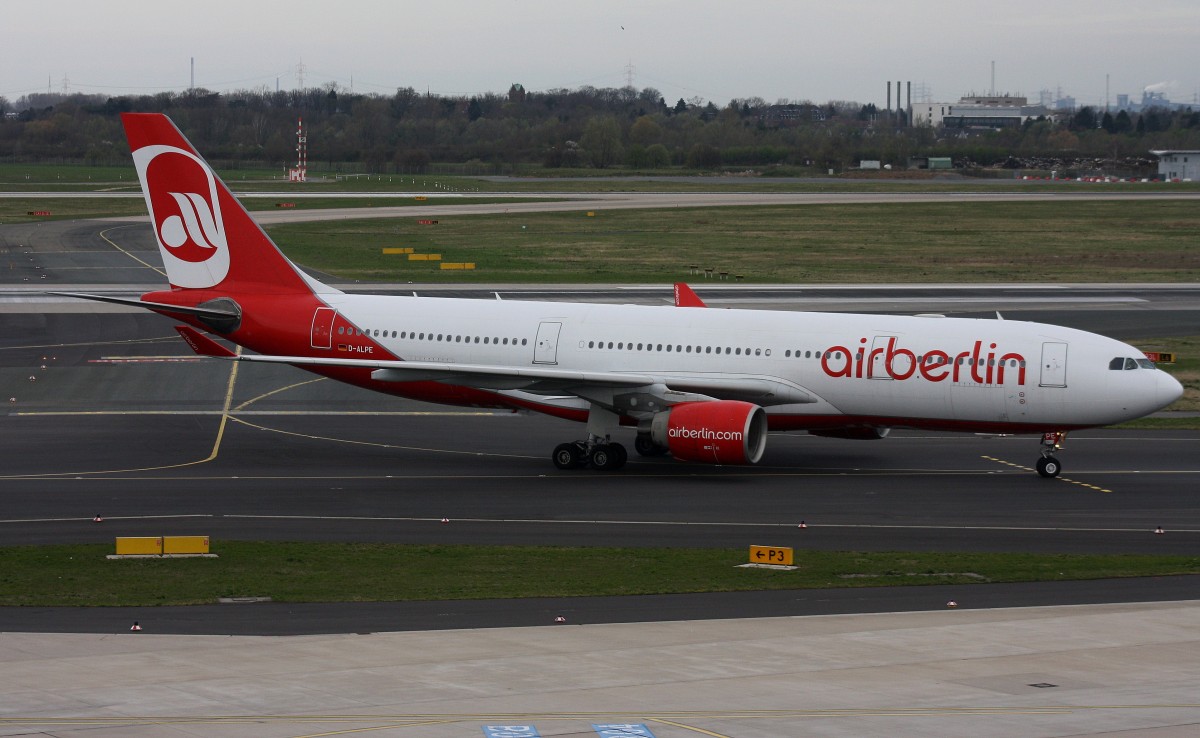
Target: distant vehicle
(703, 385)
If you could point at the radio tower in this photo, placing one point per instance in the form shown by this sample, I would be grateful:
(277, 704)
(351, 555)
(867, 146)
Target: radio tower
(300, 173)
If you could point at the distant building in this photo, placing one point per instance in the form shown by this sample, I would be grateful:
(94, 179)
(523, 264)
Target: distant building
(1178, 164)
(786, 116)
(1003, 111)
(930, 162)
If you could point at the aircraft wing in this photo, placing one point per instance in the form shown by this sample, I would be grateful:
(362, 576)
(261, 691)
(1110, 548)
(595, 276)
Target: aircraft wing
(669, 388)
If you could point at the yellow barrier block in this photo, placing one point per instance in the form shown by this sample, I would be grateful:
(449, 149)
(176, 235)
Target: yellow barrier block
(420, 198)
(139, 546)
(403, 250)
(591, 214)
(457, 265)
(424, 257)
(185, 544)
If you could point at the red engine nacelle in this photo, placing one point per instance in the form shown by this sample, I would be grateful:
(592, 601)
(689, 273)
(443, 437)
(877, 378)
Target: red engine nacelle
(718, 432)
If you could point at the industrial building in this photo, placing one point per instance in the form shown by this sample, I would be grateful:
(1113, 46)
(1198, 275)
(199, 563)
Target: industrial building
(1178, 164)
(1002, 111)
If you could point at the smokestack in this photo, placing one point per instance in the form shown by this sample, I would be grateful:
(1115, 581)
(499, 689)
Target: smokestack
(192, 86)
(908, 104)
(889, 102)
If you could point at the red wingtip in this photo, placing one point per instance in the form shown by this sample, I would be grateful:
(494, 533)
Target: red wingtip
(202, 344)
(686, 298)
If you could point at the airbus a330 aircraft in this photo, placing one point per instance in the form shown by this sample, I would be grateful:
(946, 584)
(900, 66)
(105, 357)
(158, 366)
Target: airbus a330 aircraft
(704, 385)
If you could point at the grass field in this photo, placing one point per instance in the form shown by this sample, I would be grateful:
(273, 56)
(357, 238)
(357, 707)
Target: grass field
(353, 572)
(915, 242)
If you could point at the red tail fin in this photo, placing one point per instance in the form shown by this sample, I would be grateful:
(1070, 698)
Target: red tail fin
(207, 239)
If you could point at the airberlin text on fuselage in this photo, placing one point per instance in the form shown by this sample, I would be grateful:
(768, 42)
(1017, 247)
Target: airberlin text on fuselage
(704, 434)
(883, 362)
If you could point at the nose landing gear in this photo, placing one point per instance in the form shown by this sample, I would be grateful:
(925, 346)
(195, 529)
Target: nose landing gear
(1049, 466)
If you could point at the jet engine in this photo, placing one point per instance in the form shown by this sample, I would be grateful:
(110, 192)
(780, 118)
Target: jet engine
(717, 432)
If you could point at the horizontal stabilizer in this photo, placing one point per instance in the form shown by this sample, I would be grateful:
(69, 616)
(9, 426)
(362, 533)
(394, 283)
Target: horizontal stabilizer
(199, 312)
(202, 344)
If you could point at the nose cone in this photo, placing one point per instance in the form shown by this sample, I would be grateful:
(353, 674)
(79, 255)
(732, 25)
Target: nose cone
(1167, 389)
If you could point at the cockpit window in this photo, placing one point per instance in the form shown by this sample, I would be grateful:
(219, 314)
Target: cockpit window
(1124, 363)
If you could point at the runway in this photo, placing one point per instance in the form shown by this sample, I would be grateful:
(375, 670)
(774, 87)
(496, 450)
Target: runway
(125, 422)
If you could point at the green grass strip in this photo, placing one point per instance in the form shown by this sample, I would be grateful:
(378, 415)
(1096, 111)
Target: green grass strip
(80, 575)
(1139, 241)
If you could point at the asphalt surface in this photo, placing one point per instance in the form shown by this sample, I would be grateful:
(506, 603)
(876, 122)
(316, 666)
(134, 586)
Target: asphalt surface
(111, 415)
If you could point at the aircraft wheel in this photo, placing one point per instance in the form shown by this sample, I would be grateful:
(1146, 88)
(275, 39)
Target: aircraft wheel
(1049, 467)
(608, 456)
(621, 454)
(568, 456)
(646, 447)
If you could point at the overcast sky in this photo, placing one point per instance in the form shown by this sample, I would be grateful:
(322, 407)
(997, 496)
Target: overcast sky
(713, 49)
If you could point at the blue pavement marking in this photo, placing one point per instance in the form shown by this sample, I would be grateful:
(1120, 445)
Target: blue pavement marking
(511, 731)
(622, 730)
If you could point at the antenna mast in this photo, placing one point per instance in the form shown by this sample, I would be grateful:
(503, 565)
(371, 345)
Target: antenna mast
(300, 173)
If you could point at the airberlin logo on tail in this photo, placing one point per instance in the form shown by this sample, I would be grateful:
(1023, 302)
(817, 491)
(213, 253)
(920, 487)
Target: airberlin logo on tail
(194, 226)
(181, 194)
(886, 361)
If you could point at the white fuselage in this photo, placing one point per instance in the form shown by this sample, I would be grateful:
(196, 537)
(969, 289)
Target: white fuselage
(870, 370)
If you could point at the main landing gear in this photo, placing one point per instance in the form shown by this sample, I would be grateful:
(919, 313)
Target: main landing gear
(1049, 466)
(600, 454)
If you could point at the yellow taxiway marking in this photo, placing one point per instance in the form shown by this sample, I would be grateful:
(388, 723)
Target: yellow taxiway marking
(104, 235)
(1061, 479)
(265, 395)
(375, 444)
(691, 728)
(212, 455)
(373, 728)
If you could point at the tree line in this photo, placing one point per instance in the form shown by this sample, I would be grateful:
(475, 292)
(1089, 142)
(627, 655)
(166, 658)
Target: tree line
(588, 127)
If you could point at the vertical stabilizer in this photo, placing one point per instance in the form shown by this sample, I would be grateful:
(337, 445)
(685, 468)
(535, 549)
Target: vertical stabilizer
(206, 238)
